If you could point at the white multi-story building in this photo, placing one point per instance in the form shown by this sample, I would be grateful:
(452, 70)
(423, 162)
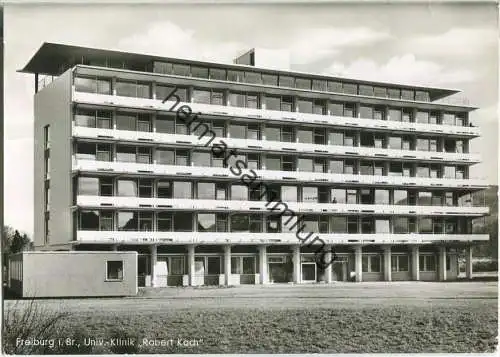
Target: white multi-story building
(379, 172)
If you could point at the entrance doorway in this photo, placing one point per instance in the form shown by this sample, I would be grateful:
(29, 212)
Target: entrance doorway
(280, 269)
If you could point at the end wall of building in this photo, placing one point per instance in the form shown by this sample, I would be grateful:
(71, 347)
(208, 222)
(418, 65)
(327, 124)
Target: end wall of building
(74, 274)
(53, 108)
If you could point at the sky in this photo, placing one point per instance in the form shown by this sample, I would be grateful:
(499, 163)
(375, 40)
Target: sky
(445, 45)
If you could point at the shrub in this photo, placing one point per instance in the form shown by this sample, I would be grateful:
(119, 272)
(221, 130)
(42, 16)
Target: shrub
(485, 265)
(27, 320)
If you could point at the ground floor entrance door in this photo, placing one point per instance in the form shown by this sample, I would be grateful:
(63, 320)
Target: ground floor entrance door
(339, 271)
(309, 272)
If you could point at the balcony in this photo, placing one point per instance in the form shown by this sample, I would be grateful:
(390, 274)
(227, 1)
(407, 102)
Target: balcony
(274, 146)
(166, 204)
(274, 115)
(113, 237)
(183, 172)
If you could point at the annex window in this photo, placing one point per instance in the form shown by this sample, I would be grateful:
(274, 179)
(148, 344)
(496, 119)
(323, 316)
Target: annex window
(114, 270)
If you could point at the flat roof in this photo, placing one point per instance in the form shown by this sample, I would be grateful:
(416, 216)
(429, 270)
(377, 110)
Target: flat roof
(51, 57)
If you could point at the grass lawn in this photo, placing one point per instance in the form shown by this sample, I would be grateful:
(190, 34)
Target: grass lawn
(310, 322)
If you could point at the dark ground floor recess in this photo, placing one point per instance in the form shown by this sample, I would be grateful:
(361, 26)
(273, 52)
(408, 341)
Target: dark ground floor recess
(194, 265)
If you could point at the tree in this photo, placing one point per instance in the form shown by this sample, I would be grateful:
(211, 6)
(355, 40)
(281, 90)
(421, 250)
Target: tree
(20, 243)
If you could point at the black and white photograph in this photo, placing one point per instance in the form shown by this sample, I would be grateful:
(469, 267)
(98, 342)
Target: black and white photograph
(281, 177)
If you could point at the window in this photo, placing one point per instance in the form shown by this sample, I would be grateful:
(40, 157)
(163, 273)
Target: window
(371, 263)
(350, 88)
(305, 106)
(253, 77)
(305, 136)
(183, 222)
(338, 224)
(165, 157)
(352, 225)
(395, 142)
(199, 72)
(93, 85)
(164, 92)
(382, 226)
(114, 270)
(448, 119)
(285, 81)
(422, 117)
(201, 159)
(309, 194)
(89, 220)
(449, 172)
(407, 94)
(145, 221)
(381, 197)
(240, 223)
(335, 87)
(165, 124)
(319, 85)
(427, 262)
(422, 96)
(303, 83)
(336, 109)
(270, 80)
(365, 90)
(399, 263)
(338, 195)
(133, 89)
(395, 114)
(273, 163)
(425, 225)
(88, 186)
(182, 189)
(380, 92)
(164, 189)
(106, 186)
(206, 191)
(400, 225)
(164, 222)
(206, 222)
(127, 221)
(127, 188)
(239, 192)
(400, 197)
(273, 103)
(145, 188)
(289, 193)
(201, 96)
(394, 93)
(365, 112)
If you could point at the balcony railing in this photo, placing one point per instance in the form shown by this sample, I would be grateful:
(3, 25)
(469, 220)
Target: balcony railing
(183, 172)
(110, 237)
(276, 146)
(260, 206)
(274, 115)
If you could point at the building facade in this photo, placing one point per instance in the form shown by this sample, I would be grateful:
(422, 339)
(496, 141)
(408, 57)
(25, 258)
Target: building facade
(379, 172)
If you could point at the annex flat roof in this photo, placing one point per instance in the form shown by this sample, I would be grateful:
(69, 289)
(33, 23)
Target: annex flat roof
(51, 57)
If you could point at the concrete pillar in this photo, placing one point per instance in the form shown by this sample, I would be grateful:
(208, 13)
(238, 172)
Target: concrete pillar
(468, 261)
(296, 264)
(358, 262)
(114, 247)
(264, 279)
(387, 264)
(327, 260)
(191, 266)
(152, 261)
(415, 263)
(442, 264)
(227, 264)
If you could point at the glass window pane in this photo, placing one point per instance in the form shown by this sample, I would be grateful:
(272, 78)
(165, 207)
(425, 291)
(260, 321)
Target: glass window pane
(88, 186)
(289, 193)
(182, 189)
(206, 190)
(127, 188)
(126, 121)
(201, 96)
(206, 222)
